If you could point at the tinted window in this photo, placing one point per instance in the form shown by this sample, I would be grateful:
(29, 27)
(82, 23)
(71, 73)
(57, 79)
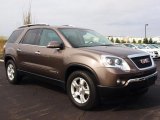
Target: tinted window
(31, 37)
(14, 36)
(48, 36)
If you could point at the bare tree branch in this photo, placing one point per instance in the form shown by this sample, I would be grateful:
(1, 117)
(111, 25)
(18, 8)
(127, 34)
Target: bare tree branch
(27, 16)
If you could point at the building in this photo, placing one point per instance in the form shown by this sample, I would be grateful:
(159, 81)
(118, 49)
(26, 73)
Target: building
(156, 39)
(127, 39)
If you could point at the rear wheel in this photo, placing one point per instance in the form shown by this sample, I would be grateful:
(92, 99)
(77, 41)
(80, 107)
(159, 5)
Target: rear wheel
(81, 90)
(12, 73)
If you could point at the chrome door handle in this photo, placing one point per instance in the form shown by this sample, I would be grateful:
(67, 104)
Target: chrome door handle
(19, 50)
(38, 53)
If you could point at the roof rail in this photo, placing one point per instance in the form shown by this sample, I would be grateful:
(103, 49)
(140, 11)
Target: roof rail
(68, 25)
(29, 25)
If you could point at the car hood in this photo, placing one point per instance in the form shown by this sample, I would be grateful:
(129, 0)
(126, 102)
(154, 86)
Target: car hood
(112, 50)
(156, 49)
(150, 50)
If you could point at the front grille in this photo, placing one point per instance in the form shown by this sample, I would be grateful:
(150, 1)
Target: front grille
(142, 61)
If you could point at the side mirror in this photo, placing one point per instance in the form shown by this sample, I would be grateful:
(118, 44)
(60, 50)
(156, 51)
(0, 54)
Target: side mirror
(55, 44)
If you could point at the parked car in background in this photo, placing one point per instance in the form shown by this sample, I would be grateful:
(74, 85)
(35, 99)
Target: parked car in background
(157, 46)
(119, 45)
(152, 47)
(153, 53)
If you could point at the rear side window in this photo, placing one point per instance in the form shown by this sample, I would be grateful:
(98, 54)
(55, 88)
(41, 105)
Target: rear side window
(31, 37)
(14, 36)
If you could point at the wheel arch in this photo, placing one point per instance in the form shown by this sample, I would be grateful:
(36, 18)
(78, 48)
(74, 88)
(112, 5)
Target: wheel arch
(76, 67)
(9, 57)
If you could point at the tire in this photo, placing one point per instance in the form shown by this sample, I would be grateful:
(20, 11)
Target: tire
(81, 90)
(11, 72)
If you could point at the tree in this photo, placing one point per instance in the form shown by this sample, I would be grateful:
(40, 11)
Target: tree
(112, 40)
(123, 41)
(2, 42)
(128, 41)
(27, 16)
(117, 40)
(134, 41)
(139, 41)
(145, 40)
(150, 41)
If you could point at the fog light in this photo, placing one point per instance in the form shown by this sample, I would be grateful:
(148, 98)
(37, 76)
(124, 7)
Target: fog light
(122, 82)
(118, 81)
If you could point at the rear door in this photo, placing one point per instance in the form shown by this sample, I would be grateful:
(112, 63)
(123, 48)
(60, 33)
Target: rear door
(27, 51)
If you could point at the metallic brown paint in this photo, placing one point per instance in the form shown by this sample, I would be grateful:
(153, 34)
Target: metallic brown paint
(54, 63)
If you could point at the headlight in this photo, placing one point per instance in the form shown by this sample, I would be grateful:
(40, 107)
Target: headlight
(115, 62)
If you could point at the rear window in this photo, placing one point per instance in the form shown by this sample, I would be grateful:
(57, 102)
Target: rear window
(14, 36)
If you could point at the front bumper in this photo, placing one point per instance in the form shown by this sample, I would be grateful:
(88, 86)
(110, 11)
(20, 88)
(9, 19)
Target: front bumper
(136, 84)
(151, 76)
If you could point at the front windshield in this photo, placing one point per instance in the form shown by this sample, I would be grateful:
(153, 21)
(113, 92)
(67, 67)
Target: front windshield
(84, 37)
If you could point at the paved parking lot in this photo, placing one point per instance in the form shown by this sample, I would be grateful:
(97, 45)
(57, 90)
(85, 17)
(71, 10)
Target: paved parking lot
(36, 100)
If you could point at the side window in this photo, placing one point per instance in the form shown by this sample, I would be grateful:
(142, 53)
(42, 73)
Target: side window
(48, 36)
(127, 45)
(31, 37)
(14, 36)
(133, 46)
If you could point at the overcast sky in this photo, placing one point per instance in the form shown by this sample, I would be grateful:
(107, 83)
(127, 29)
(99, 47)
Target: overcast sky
(109, 17)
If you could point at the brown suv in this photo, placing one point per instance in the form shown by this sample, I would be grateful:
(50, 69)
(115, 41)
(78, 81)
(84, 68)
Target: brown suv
(82, 61)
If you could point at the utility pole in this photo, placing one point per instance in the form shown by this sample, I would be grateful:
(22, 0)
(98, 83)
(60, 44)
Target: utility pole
(146, 30)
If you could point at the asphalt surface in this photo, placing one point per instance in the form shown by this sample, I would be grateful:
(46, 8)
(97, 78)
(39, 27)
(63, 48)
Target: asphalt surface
(37, 100)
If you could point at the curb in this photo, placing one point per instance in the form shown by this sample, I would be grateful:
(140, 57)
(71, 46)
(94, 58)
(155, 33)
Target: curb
(1, 60)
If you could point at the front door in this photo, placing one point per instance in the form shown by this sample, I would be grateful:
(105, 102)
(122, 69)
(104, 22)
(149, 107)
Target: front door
(50, 60)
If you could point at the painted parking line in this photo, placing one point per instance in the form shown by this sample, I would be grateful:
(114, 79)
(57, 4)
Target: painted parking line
(1, 60)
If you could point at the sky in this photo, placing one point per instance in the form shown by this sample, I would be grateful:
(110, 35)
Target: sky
(109, 17)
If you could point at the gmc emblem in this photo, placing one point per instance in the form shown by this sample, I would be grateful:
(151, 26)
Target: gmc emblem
(145, 61)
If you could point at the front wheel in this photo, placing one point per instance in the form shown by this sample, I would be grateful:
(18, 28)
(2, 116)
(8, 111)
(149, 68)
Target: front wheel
(11, 72)
(81, 90)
